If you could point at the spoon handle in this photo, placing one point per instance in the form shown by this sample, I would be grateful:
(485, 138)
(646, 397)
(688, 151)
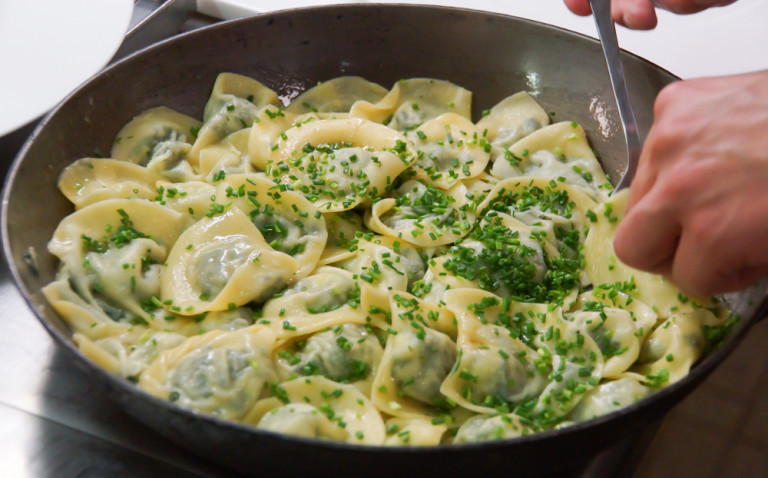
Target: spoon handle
(601, 10)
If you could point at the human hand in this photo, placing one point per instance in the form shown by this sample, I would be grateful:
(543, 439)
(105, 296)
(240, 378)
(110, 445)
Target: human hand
(698, 205)
(641, 14)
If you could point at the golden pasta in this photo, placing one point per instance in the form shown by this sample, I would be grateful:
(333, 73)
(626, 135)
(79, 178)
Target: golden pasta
(366, 265)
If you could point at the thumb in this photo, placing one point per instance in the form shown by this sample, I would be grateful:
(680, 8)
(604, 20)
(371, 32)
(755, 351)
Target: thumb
(647, 238)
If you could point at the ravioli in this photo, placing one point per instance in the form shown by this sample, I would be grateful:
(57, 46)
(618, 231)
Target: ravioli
(367, 265)
(152, 131)
(220, 373)
(221, 263)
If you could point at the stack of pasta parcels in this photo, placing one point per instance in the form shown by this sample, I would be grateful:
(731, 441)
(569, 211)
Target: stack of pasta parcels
(368, 266)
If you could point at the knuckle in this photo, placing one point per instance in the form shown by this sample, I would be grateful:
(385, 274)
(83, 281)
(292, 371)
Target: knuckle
(665, 96)
(676, 187)
(704, 230)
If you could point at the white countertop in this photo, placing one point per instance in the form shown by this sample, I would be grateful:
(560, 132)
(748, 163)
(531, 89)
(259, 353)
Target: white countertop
(715, 42)
(49, 47)
(54, 46)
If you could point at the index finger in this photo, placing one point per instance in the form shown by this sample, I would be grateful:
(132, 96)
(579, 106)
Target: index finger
(645, 175)
(648, 236)
(579, 7)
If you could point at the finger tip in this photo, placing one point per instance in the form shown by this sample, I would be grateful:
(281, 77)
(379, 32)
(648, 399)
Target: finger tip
(638, 16)
(579, 7)
(623, 246)
(637, 251)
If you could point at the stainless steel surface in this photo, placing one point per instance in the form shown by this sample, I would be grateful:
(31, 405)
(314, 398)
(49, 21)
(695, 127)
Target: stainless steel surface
(601, 10)
(56, 420)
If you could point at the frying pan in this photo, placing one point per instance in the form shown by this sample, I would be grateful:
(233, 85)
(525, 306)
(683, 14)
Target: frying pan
(289, 51)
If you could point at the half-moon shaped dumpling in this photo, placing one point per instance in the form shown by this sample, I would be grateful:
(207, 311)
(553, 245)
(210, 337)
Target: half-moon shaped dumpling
(223, 262)
(555, 151)
(412, 102)
(512, 119)
(304, 420)
(414, 431)
(607, 397)
(229, 87)
(673, 347)
(82, 317)
(218, 373)
(338, 164)
(128, 354)
(554, 209)
(112, 251)
(138, 140)
(385, 263)
(336, 95)
(504, 256)
(327, 298)
(416, 359)
(346, 353)
(483, 428)
(424, 215)
(494, 367)
(342, 404)
(288, 222)
(90, 180)
(232, 106)
(614, 332)
(450, 148)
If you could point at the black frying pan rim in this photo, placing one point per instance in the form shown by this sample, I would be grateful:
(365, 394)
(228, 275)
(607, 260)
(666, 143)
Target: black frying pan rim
(669, 393)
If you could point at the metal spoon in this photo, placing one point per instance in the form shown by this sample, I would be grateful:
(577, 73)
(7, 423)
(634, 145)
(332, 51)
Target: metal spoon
(601, 10)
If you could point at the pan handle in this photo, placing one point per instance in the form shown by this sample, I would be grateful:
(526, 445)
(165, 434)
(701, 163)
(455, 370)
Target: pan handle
(762, 311)
(152, 21)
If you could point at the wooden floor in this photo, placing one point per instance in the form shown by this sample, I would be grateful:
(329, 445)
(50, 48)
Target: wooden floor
(721, 430)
